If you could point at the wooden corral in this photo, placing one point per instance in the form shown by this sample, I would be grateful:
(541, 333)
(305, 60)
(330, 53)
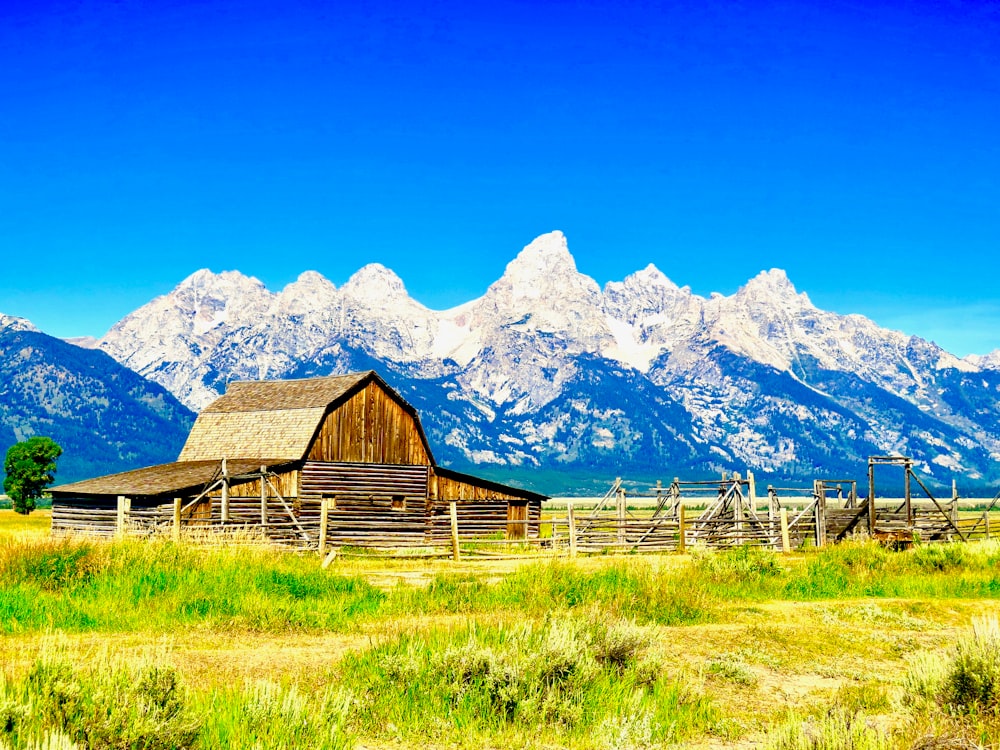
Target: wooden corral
(310, 463)
(733, 514)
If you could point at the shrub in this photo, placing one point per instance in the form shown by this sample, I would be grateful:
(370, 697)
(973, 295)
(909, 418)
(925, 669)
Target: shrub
(838, 729)
(972, 683)
(940, 557)
(52, 564)
(115, 707)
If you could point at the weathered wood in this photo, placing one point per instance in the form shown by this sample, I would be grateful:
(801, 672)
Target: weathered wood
(372, 426)
(177, 519)
(225, 492)
(122, 522)
(681, 530)
(324, 521)
(572, 530)
(453, 514)
(263, 497)
(785, 543)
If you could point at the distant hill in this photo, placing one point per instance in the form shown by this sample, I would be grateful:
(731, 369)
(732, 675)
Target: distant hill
(106, 417)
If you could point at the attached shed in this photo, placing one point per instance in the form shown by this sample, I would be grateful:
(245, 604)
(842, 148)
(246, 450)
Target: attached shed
(282, 455)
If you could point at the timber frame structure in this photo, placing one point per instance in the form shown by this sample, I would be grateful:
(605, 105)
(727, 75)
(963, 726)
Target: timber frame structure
(310, 463)
(732, 513)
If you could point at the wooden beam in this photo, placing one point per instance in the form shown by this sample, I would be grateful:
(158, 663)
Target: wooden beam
(871, 497)
(263, 497)
(453, 516)
(324, 520)
(225, 493)
(121, 525)
(785, 543)
(177, 519)
(572, 529)
(681, 530)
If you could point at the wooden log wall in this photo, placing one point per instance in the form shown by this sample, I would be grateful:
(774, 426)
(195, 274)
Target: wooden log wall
(372, 504)
(287, 483)
(89, 516)
(370, 427)
(449, 488)
(483, 519)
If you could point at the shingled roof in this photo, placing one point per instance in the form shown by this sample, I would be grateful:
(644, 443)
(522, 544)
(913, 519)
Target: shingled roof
(178, 477)
(275, 418)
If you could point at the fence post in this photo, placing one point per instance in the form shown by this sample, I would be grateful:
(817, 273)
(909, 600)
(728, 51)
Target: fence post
(785, 544)
(621, 513)
(871, 497)
(819, 490)
(453, 514)
(123, 509)
(986, 517)
(681, 530)
(772, 515)
(572, 529)
(324, 517)
(263, 496)
(177, 519)
(225, 492)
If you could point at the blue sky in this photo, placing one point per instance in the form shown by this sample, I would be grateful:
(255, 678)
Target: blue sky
(853, 144)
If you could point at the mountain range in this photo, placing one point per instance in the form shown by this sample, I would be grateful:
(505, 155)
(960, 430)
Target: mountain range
(106, 417)
(550, 381)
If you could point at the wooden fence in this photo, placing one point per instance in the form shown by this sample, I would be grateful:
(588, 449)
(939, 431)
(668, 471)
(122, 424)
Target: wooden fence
(713, 514)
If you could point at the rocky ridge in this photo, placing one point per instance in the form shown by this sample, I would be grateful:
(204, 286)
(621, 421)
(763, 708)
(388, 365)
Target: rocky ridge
(549, 370)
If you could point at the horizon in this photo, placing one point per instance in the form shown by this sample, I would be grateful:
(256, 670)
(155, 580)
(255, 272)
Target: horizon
(851, 146)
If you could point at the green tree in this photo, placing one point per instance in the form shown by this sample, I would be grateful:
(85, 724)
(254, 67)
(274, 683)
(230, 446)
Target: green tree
(30, 466)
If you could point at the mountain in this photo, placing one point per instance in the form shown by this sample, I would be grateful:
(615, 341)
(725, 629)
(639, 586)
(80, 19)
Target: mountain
(106, 417)
(548, 375)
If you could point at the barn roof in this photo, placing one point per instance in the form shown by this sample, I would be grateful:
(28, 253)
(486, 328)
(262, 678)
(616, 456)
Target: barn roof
(276, 418)
(179, 477)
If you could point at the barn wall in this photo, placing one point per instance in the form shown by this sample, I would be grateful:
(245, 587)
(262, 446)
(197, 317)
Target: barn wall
(97, 515)
(372, 504)
(484, 518)
(370, 427)
(448, 488)
(287, 483)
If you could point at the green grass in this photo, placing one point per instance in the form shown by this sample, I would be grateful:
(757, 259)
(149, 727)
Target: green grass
(621, 651)
(565, 679)
(135, 585)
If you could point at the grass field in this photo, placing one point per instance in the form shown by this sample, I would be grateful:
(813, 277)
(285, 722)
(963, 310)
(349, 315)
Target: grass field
(138, 644)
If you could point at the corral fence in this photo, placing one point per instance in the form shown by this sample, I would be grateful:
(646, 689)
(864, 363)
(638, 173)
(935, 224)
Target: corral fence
(717, 514)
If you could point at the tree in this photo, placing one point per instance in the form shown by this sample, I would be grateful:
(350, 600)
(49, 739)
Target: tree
(30, 466)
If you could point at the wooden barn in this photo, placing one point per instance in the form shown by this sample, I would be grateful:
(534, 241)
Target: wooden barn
(336, 460)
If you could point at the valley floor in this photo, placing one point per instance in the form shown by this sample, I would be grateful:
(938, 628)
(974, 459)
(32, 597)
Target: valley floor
(849, 647)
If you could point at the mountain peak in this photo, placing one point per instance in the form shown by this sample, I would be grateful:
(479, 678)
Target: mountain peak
(204, 280)
(545, 264)
(774, 283)
(651, 276)
(13, 323)
(374, 279)
(544, 254)
(310, 282)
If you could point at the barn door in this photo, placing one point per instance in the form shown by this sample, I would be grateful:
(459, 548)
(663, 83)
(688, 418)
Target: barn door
(517, 516)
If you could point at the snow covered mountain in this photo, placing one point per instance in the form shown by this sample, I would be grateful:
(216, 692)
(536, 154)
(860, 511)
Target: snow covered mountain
(547, 370)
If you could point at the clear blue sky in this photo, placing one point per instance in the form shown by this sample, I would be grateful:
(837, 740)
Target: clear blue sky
(854, 144)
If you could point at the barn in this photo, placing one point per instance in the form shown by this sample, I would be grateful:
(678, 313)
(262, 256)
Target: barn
(341, 460)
